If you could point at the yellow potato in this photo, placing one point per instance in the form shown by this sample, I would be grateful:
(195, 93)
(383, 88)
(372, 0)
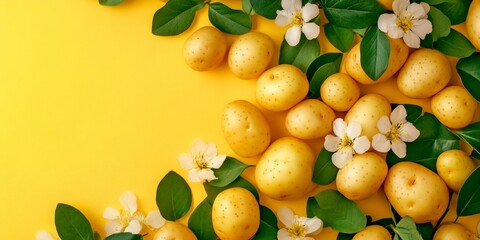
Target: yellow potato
(285, 169)
(416, 191)
(310, 119)
(472, 23)
(362, 176)
(387, 4)
(235, 214)
(373, 232)
(281, 87)
(340, 92)
(367, 110)
(250, 54)
(245, 128)
(454, 107)
(174, 231)
(454, 167)
(398, 56)
(424, 74)
(453, 231)
(205, 49)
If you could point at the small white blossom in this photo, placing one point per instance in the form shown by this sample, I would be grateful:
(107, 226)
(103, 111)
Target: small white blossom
(298, 18)
(346, 143)
(394, 132)
(200, 161)
(129, 219)
(42, 235)
(297, 227)
(408, 21)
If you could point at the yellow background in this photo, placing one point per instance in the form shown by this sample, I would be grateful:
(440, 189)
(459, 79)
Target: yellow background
(93, 105)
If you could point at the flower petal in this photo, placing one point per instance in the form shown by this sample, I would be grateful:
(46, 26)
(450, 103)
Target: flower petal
(399, 114)
(155, 220)
(291, 5)
(380, 143)
(293, 35)
(186, 161)
(217, 161)
(112, 227)
(426, 8)
(198, 147)
(286, 216)
(198, 175)
(353, 130)
(361, 144)
(314, 225)
(283, 18)
(339, 127)
(408, 132)
(400, 5)
(384, 126)
(331, 143)
(311, 30)
(129, 202)
(283, 234)
(309, 12)
(394, 31)
(210, 151)
(111, 213)
(412, 40)
(422, 27)
(42, 235)
(417, 10)
(399, 148)
(134, 227)
(341, 158)
(385, 20)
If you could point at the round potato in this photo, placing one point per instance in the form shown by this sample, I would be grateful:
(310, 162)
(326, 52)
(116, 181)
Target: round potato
(285, 169)
(250, 54)
(454, 107)
(362, 176)
(310, 119)
(473, 23)
(454, 167)
(235, 214)
(367, 111)
(174, 231)
(424, 74)
(453, 231)
(416, 191)
(398, 56)
(205, 49)
(340, 92)
(373, 232)
(281, 87)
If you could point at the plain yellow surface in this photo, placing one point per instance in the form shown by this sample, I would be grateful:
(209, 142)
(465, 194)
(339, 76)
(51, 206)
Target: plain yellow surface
(93, 105)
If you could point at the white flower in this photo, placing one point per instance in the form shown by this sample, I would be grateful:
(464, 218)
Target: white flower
(346, 143)
(200, 162)
(408, 21)
(42, 235)
(297, 227)
(394, 134)
(129, 219)
(298, 19)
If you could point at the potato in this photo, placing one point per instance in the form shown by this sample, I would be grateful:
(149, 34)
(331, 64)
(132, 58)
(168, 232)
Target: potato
(285, 169)
(454, 107)
(340, 92)
(453, 231)
(310, 119)
(373, 232)
(245, 129)
(250, 54)
(454, 167)
(362, 176)
(367, 111)
(235, 214)
(424, 74)
(174, 231)
(205, 49)
(473, 23)
(416, 191)
(398, 56)
(281, 87)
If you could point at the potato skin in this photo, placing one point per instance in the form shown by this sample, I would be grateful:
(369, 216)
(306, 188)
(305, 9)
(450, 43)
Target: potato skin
(454, 167)
(281, 87)
(250, 54)
(416, 191)
(310, 119)
(174, 231)
(453, 231)
(340, 92)
(285, 169)
(362, 176)
(205, 49)
(473, 23)
(424, 74)
(235, 214)
(454, 107)
(373, 232)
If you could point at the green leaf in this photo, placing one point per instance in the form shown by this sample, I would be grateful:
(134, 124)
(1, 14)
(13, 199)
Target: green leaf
(440, 22)
(229, 20)
(475, 155)
(469, 71)
(374, 53)
(228, 172)
(266, 8)
(471, 135)
(200, 222)
(109, 2)
(324, 172)
(455, 45)
(413, 111)
(71, 224)
(97, 236)
(426, 230)
(338, 212)
(407, 229)
(340, 38)
(321, 68)
(435, 2)
(456, 10)
(174, 196)
(247, 7)
(427, 42)
(352, 14)
(345, 236)
(268, 225)
(300, 55)
(468, 202)
(213, 191)
(124, 236)
(175, 17)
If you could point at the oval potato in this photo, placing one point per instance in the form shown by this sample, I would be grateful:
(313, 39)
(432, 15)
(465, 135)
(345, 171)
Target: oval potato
(174, 231)
(454, 107)
(454, 167)
(373, 232)
(310, 119)
(205, 49)
(340, 92)
(472, 23)
(453, 231)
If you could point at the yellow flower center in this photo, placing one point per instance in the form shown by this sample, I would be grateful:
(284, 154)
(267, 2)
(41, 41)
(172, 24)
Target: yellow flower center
(125, 217)
(346, 142)
(394, 132)
(297, 230)
(200, 161)
(297, 19)
(405, 21)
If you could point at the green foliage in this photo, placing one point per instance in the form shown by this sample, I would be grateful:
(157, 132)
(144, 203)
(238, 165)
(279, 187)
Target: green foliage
(229, 20)
(471, 135)
(213, 191)
(340, 38)
(324, 172)
(228, 172)
(301, 55)
(266, 8)
(455, 45)
(440, 22)
(71, 224)
(321, 68)
(374, 53)
(175, 17)
(174, 196)
(455, 10)
(110, 2)
(468, 202)
(247, 7)
(200, 222)
(124, 236)
(407, 230)
(469, 71)
(268, 225)
(352, 14)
